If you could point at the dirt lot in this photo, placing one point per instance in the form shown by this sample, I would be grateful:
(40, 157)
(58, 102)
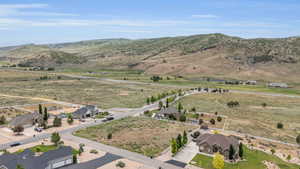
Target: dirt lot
(10, 113)
(142, 135)
(251, 117)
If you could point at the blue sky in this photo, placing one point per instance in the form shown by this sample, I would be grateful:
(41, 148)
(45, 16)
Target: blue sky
(51, 21)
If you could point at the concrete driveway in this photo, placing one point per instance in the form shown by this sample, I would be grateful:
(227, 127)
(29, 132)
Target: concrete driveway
(188, 153)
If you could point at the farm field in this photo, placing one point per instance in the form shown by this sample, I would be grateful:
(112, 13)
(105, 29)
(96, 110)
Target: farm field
(254, 159)
(142, 135)
(251, 116)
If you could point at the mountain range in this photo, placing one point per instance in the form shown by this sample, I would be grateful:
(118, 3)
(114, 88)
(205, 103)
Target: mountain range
(216, 55)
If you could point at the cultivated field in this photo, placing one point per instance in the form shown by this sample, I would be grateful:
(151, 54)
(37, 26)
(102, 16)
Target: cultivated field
(251, 117)
(143, 135)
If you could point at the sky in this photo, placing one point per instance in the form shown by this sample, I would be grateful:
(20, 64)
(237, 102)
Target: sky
(55, 21)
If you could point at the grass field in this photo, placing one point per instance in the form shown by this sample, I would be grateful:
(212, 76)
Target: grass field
(101, 93)
(142, 135)
(251, 117)
(254, 160)
(9, 101)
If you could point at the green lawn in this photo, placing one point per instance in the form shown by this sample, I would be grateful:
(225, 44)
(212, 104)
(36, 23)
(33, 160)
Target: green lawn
(254, 161)
(43, 148)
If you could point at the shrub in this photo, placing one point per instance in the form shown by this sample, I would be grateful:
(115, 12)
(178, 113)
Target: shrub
(182, 118)
(109, 136)
(212, 121)
(94, 151)
(196, 134)
(219, 118)
(279, 125)
(120, 164)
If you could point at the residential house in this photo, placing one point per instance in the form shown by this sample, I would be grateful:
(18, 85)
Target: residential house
(86, 111)
(168, 113)
(213, 143)
(26, 120)
(53, 159)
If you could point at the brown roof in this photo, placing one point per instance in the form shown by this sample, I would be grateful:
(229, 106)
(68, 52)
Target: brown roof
(217, 139)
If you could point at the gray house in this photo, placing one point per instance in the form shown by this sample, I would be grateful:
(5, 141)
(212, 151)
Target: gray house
(26, 120)
(213, 143)
(86, 111)
(169, 113)
(49, 160)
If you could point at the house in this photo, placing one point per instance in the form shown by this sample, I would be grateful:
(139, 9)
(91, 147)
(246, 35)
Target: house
(86, 111)
(251, 82)
(213, 143)
(278, 85)
(26, 120)
(169, 113)
(53, 159)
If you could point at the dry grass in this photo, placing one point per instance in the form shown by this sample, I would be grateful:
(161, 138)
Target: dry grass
(143, 135)
(251, 117)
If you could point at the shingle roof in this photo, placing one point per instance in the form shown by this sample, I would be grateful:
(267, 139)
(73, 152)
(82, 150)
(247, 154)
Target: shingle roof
(23, 120)
(217, 139)
(29, 161)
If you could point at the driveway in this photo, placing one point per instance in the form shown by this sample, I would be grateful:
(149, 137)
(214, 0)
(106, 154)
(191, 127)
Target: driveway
(188, 153)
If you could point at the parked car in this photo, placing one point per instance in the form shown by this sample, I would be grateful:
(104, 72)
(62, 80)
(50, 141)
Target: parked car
(109, 118)
(15, 144)
(37, 129)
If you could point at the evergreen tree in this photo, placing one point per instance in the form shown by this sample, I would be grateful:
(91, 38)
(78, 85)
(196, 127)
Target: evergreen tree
(231, 152)
(148, 100)
(57, 122)
(167, 102)
(55, 138)
(70, 119)
(185, 138)
(153, 99)
(241, 150)
(173, 146)
(2, 120)
(40, 109)
(180, 107)
(161, 104)
(298, 139)
(46, 116)
(179, 141)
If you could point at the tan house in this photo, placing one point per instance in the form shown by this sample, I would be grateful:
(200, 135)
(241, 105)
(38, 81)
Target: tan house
(213, 143)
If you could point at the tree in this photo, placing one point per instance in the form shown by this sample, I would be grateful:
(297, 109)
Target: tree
(20, 167)
(153, 99)
(241, 150)
(40, 109)
(264, 105)
(81, 148)
(109, 136)
(148, 100)
(18, 129)
(75, 160)
(219, 118)
(218, 161)
(298, 139)
(173, 146)
(55, 138)
(167, 102)
(182, 118)
(194, 109)
(279, 125)
(120, 164)
(2, 120)
(180, 107)
(57, 122)
(179, 141)
(161, 104)
(184, 138)
(231, 152)
(70, 119)
(46, 115)
(289, 157)
(201, 121)
(212, 121)
(273, 151)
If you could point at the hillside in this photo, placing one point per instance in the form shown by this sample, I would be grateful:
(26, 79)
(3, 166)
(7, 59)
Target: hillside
(215, 55)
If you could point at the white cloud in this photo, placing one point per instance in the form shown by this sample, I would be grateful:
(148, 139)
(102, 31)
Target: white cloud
(204, 16)
(27, 10)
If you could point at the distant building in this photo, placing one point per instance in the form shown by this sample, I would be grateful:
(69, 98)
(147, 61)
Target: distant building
(86, 111)
(278, 85)
(213, 143)
(168, 113)
(26, 120)
(53, 159)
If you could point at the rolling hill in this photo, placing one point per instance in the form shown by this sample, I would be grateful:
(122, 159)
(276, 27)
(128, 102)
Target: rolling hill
(214, 55)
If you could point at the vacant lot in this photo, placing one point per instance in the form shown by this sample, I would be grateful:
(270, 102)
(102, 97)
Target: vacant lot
(142, 135)
(10, 113)
(251, 117)
(102, 93)
(254, 160)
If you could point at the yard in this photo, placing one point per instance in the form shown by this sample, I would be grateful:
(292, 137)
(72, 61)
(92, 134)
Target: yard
(254, 160)
(252, 116)
(142, 135)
